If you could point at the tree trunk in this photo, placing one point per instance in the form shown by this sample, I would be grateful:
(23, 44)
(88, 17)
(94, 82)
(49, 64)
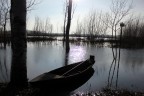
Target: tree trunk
(65, 16)
(68, 24)
(19, 45)
(4, 27)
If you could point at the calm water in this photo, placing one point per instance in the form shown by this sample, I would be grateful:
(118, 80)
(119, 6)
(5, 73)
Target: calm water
(46, 56)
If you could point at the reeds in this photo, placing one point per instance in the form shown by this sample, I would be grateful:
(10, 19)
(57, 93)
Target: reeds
(133, 34)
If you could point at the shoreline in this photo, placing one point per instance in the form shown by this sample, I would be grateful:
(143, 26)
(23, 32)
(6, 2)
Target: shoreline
(36, 92)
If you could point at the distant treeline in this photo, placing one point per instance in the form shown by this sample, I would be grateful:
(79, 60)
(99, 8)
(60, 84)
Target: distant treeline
(132, 34)
(39, 33)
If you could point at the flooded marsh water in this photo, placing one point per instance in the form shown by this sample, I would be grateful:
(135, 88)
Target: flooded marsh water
(46, 56)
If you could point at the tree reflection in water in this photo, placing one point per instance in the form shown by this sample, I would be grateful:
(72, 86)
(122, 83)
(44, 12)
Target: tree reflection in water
(116, 59)
(4, 77)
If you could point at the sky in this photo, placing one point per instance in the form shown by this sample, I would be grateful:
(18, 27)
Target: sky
(54, 10)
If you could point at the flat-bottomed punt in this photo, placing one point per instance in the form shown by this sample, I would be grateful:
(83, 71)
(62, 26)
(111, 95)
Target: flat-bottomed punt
(66, 78)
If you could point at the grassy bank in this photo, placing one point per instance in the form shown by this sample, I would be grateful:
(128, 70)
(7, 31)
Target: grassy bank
(5, 91)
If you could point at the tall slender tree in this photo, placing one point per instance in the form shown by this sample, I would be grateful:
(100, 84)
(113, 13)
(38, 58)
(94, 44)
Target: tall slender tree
(65, 18)
(68, 24)
(4, 16)
(119, 10)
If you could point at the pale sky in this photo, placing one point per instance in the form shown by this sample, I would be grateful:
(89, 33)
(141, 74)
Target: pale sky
(54, 10)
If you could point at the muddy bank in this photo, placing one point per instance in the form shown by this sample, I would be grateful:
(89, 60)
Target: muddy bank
(5, 91)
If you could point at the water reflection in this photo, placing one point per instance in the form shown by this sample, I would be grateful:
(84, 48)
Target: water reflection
(66, 57)
(133, 58)
(18, 75)
(4, 61)
(77, 53)
(46, 56)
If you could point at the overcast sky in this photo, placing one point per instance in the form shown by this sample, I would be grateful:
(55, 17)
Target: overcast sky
(54, 10)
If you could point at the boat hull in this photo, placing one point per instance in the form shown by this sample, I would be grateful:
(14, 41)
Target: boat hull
(65, 84)
(67, 78)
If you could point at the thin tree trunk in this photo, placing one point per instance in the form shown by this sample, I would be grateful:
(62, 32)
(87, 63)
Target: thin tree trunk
(64, 30)
(4, 26)
(119, 55)
(68, 24)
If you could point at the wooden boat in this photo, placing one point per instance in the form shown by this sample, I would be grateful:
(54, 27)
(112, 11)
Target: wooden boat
(65, 78)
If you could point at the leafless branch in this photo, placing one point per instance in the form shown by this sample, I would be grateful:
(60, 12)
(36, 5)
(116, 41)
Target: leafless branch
(32, 3)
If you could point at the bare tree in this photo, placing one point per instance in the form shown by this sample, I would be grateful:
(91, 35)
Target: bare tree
(94, 27)
(120, 9)
(79, 27)
(65, 10)
(65, 16)
(5, 8)
(48, 26)
(69, 12)
(39, 26)
(4, 15)
(36, 25)
(31, 4)
(42, 27)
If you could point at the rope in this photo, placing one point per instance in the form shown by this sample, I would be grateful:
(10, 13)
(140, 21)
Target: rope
(72, 68)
